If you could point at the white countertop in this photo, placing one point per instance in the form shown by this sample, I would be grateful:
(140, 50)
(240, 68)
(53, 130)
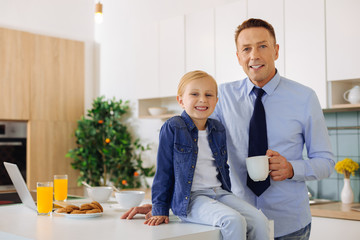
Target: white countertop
(20, 223)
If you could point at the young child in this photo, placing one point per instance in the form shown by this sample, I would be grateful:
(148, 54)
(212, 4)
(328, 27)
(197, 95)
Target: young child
(192, 176)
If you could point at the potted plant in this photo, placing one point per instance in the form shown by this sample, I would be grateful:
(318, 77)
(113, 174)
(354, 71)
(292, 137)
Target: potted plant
(106, 153)
(347, 166)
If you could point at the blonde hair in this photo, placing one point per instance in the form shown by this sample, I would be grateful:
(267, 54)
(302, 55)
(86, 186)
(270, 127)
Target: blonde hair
(191, 76)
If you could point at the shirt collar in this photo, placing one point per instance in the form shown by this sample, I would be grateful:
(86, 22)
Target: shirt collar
(269, 88)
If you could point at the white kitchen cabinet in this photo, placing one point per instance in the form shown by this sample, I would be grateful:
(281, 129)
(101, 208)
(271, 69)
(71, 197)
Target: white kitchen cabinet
(343, 37)
(227, 18)
(305, 45)
(334, 229)
(171, 54)
(147, 70)
(200, 41)
(272, 12)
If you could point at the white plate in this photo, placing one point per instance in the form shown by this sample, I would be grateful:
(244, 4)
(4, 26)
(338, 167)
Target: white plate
(89, 215)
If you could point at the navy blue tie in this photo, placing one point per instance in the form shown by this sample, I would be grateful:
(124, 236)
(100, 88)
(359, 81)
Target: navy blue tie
(258, 143)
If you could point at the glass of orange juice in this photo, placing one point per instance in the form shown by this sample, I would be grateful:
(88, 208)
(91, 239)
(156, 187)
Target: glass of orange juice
(44, 195)
(60, 187)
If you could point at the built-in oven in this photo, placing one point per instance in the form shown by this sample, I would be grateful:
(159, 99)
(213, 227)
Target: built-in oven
(13, 150)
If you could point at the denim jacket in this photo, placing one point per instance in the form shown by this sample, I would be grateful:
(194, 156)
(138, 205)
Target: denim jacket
(176, 162)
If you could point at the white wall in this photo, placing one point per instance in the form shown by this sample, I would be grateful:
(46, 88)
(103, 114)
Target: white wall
(127, 42)
(69, 19)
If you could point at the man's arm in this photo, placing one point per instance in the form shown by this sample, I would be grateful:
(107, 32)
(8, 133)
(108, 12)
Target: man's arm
(319, 151)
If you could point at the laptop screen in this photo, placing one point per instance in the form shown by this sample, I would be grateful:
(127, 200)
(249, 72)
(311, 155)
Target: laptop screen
(20, 185)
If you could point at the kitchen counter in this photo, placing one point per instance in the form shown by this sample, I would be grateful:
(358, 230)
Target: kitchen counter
(334, 221)
(22, 223)
(335, 210)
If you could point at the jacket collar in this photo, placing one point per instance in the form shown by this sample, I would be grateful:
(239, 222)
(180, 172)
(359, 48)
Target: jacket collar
(191, 125)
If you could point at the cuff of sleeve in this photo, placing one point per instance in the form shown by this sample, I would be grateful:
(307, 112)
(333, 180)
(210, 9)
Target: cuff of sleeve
(299, 170)
(159, 211)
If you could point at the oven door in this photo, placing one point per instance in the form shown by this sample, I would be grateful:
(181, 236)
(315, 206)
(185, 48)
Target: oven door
(12, 150)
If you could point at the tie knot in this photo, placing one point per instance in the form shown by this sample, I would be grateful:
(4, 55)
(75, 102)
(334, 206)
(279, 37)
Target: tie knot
(258, 92)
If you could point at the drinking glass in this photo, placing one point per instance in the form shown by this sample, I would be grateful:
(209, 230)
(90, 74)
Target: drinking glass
(44, 195)
(60, 187)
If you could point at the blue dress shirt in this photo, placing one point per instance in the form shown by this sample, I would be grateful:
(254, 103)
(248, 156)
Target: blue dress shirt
(294, 118)
(176, 162)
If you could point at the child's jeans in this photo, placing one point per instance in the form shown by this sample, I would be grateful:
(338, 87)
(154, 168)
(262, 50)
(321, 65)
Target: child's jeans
(236, 218)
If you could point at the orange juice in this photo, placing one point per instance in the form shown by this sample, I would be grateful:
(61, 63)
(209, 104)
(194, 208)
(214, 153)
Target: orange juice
(60, 187)
(44, 198)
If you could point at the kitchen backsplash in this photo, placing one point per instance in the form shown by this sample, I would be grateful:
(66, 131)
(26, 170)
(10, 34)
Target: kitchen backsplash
(345, 139)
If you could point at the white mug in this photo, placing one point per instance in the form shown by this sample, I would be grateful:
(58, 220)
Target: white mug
(258, 167)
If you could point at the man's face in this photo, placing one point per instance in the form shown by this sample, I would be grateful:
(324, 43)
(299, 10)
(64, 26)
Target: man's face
(256, 53)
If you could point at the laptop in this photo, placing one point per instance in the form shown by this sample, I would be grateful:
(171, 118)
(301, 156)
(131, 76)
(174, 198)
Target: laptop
(20, 185)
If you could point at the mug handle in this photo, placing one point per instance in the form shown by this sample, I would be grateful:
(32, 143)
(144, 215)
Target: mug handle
(268, 159)
(345, 96)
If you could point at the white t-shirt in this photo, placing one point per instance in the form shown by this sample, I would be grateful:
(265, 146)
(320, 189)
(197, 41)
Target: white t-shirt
(205, 171)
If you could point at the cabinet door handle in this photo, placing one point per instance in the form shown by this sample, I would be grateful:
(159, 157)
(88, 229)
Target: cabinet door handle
(11, 144)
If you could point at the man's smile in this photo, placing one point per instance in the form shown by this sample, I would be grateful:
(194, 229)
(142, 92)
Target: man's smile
(256, 66)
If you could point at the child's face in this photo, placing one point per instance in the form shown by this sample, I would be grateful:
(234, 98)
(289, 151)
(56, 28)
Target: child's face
(199, 99)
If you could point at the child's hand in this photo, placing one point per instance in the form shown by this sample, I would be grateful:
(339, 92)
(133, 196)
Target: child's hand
(156, 220)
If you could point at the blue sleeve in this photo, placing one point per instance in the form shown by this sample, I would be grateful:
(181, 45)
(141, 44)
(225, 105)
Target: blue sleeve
(163, 185)
(321, 159)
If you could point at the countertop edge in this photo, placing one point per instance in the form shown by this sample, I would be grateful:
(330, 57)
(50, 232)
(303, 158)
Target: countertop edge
(335, 210)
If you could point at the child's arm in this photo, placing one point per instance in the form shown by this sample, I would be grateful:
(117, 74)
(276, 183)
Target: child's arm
(164, 181)
(156, 220)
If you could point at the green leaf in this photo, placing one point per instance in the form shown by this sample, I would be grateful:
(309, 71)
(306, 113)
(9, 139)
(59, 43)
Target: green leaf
(117, 160)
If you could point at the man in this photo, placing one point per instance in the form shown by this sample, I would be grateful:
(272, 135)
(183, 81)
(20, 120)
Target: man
(293, 118)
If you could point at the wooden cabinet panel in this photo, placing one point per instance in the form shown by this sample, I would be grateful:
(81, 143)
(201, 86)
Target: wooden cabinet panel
(48, 142)
(57, 79)
(15, 59)
(42, 81)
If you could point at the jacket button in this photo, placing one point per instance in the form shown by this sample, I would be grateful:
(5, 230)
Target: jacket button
(215, 154)
(189, 182)
(194, 139)
(192, 166)
(195, 152)
(186, 198)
